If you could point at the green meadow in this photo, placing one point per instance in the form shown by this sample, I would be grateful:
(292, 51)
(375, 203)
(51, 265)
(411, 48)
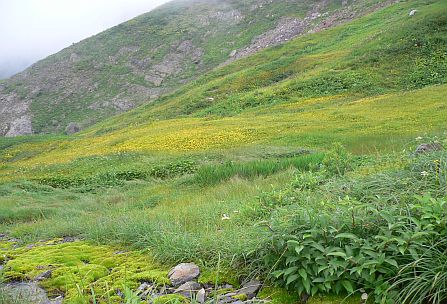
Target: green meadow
(295, 166)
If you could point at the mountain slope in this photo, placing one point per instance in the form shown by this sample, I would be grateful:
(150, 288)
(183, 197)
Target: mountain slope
(144, 58)
(367, 83)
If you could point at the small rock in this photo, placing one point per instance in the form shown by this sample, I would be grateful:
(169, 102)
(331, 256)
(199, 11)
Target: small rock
(427, 148)
(144, 286)
(201, 296)
(183, 273)
(250, 289)
(69, 239)
(233, 53)
(412, 13)
(364, 297)
(226, 299)
(188, 289)
(43, 275)
(57, 300)
(144, 290)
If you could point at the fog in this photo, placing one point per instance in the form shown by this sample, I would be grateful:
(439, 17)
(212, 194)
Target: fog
(33, 29)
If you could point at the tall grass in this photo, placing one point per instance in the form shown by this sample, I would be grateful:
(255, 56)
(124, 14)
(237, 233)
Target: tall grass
(214, 174)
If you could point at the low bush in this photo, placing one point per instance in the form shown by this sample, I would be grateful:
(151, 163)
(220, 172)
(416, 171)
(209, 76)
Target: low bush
(117, 178)
(392, 244)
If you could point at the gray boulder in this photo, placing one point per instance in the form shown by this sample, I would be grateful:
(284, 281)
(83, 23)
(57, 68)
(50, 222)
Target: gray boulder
(72, 128)
(250, 289)
(188, 289)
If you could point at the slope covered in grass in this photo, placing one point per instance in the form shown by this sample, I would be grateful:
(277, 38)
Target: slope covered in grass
(155, 53)
(369, 82)
(234, 171)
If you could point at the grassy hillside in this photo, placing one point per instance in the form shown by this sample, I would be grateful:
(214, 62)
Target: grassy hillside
(241, 169)
(153, 54)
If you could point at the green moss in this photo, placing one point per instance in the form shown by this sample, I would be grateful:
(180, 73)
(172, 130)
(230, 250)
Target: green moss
(219, 277)
(278, 296)
(78, 268)
(334, 299)
(281, 296)
(170, 299)
(242, 297)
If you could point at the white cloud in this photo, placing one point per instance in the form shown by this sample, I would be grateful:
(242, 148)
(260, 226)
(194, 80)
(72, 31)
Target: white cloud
(33, 29)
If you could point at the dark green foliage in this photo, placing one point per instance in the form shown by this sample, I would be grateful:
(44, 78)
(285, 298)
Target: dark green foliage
(321, 244)
(85, 183)
(337, 160)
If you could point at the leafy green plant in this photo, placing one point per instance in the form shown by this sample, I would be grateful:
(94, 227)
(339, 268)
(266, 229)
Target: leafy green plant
(352, 246)
(337, 160)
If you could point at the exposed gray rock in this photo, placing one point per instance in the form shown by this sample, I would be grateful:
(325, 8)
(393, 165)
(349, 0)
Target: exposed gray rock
(201, 296)
(74, 58)
(72, 128)
(44, 275)
(183, 273)
(154, 79)
(427, 148)
(188, 289)
(27, 293)
(145, 289)
(412, 13)
(250, 289)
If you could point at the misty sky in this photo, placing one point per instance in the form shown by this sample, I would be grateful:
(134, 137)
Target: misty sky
(33, 29)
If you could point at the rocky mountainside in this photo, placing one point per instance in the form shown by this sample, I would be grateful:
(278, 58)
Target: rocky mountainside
(153, 54)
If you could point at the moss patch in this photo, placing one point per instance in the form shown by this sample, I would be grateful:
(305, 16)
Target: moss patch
(215, 277)
(242, 297)
(79, 268)
(170, 299)
(282, 296)
(278, 296)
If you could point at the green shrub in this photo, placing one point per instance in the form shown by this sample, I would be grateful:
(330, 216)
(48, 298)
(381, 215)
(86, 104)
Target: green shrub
(349, 246)
(338, 160)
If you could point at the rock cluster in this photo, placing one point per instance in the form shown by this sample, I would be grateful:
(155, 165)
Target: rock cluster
(184, 282)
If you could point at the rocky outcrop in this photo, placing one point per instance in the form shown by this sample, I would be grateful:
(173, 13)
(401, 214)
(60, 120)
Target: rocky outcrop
(317, 19)
(72, 128)
(14, 115)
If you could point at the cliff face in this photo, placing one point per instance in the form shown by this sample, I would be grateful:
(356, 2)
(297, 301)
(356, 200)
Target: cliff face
(153, 54)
